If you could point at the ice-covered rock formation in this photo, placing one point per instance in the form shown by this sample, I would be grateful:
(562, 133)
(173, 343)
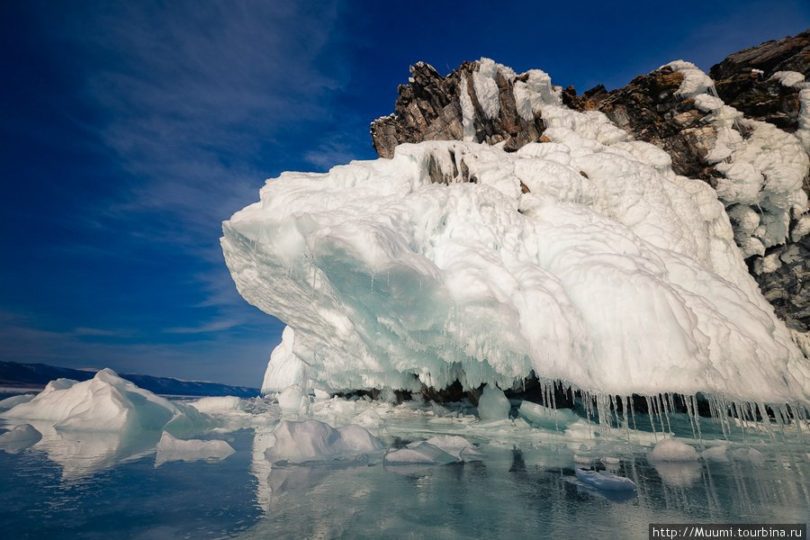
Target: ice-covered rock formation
(747, 147)
(106, 403)
(544, 240)
(584, 259)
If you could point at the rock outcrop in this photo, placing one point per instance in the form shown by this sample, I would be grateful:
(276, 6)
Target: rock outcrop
(476, 102)
(705, 137)
(650, 108)
(745, 80)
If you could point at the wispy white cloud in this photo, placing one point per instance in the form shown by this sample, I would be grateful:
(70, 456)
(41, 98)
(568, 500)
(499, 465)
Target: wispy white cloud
(213, 326)
(196, 92)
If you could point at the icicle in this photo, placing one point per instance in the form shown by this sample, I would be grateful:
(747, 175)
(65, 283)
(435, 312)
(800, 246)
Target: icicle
(650, 416)
(690, 414)
(633, 414)
(696, 415)
(554, 397)
(664, 401)
(625, 419)
(614, 410)
(658, 415)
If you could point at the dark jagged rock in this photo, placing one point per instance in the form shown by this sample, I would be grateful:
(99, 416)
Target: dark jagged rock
(788, 287)
(429, 108)
(743, 80)
(650, 109)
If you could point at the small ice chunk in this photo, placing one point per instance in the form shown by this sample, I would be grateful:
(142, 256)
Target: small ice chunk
(673, 450)
(218, 404)
(13, 401)
(751, 455)
(537, 414)
(716, 453)
(19, 438)
(456, 446)
(493, 405)
(420, 452)
(604, 480)
(172, 449)
(311, 441)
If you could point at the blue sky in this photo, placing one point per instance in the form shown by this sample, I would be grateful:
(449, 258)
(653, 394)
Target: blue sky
(130, 130)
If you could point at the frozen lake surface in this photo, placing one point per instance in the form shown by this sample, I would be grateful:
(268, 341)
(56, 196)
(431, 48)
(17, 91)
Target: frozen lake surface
(521, 480)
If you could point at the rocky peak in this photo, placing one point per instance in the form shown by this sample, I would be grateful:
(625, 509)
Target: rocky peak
(745, 80)
(475, 102)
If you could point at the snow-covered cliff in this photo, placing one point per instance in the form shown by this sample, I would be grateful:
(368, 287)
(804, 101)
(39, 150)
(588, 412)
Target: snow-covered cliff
(581, 258)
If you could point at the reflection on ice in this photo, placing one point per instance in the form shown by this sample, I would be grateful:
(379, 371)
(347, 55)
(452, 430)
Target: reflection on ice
(170, 448)
(511, 477)
(530, 468)
(678, 473)
(83, 453)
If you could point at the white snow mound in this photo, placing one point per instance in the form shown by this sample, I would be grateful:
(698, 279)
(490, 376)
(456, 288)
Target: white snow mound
(312, 441)
(585, 259)
(13, 401)
(106, 403)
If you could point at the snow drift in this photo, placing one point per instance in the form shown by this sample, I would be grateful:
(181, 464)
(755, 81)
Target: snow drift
(584, 259)
(106, 403)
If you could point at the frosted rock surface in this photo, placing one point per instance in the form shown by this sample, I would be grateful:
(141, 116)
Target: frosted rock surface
(584, 259)
(763, 167)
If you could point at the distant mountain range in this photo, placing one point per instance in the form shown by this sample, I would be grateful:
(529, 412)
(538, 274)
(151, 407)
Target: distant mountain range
(13, 374)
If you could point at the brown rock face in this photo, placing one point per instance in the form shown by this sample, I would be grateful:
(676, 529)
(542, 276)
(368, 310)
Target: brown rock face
(743, 80)
(649, 108)
(429, 108)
